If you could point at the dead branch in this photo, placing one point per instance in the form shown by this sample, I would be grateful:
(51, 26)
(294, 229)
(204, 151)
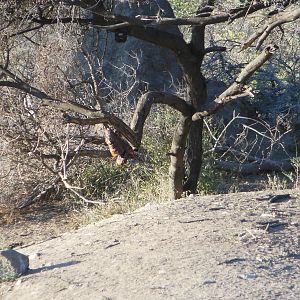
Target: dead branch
(71, 106)
(214, 49)
(242, 155)
(238, 88)
(258, 166)
(109, 119)
(93, 153)
(74, 190)
(264, 32)
(40, 193)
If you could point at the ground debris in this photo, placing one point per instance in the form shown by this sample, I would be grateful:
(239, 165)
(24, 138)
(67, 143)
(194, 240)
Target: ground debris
(233, 261)
(114, 243)
(271, 225)
(275, 198)
(217, 208)
(193, 220)
(280, 198)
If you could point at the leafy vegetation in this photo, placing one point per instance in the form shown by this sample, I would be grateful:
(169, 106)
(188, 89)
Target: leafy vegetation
(7, 272)
(184, 7)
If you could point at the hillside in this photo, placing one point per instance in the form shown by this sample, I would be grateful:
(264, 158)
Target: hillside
(234, 246)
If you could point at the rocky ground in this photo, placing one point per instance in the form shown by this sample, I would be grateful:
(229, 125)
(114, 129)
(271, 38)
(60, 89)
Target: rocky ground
(234, 246)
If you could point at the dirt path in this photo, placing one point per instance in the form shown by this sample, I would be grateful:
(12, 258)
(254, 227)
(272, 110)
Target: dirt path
(237, 246)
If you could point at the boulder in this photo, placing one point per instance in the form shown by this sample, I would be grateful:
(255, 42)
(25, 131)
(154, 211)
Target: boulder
(134, 66)
(13, 262)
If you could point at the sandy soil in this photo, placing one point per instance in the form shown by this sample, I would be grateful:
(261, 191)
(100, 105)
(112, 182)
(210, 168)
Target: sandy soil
(235, 246)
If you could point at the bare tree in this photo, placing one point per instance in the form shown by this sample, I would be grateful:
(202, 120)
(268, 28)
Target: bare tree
(33, 16)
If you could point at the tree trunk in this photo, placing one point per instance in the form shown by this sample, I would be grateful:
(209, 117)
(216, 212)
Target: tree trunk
(197, 96)
(193, 157)
(176, 170)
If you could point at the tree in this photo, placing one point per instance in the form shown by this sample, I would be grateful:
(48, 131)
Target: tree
(24, 17)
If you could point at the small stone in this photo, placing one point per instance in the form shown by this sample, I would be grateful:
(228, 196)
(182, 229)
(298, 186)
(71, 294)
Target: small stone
(209, 282)
(18, 282)
(249, 276)
(192, 195)
(35, 255)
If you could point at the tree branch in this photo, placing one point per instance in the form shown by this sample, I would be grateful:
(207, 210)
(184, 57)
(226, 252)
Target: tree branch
(134, 27)
(238, 88)
(95, 153)
(72, 106)
(145, 103)
(214, 49)
(264, 32)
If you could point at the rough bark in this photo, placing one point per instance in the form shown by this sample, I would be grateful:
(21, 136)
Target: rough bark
(197, 96)
(194, 153)
(176, 170)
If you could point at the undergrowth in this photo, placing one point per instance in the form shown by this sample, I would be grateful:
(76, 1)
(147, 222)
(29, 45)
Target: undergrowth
(142, 180)
(7, 273)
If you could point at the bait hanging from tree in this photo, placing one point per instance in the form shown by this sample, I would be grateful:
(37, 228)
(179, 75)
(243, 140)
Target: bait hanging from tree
(117, 146)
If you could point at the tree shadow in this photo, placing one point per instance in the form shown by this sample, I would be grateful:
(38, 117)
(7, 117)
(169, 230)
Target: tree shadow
(48, 268)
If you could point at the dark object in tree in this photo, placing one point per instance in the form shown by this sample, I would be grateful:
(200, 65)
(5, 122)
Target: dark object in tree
(120, 36)
(118, 147)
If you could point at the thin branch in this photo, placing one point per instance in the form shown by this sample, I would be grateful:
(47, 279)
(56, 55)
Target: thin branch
(39, 194)
(26, 30)
(74, 189)
(45, 99)
(214, 49)
(95, 153)
(265, 31)
(106, 118)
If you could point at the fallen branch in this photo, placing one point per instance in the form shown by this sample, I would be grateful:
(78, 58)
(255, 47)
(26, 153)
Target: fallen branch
(94, 153)
(238, 154)
(260, 166)
(74, 189)
(39, 193)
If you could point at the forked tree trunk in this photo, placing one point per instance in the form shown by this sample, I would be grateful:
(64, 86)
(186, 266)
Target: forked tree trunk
(188, 135)
(197, 97)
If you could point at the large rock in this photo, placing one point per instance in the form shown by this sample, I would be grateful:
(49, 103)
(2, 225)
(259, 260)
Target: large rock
(12, 264)
(135, 66)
